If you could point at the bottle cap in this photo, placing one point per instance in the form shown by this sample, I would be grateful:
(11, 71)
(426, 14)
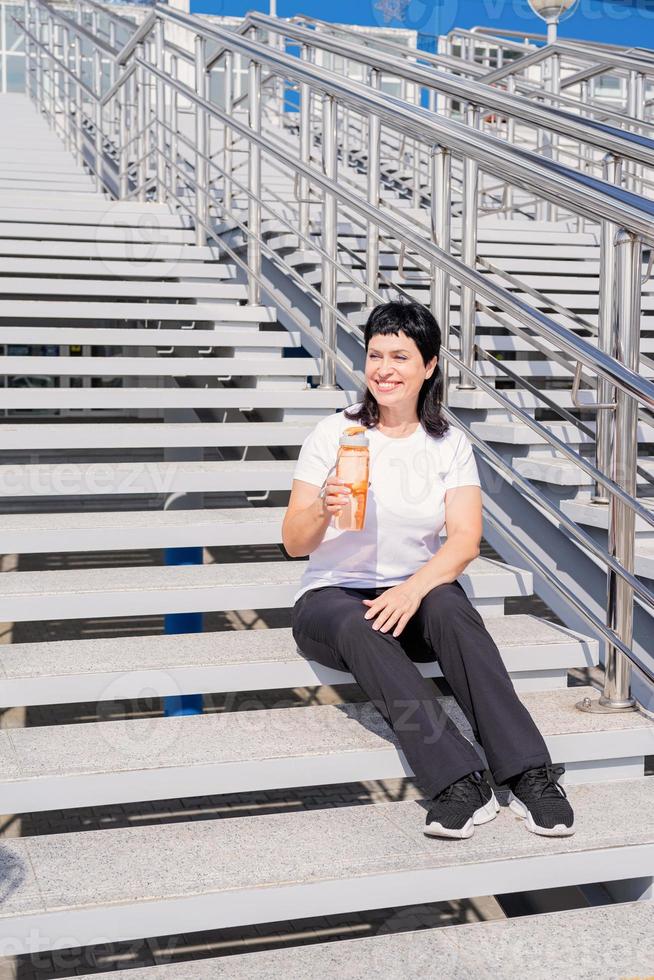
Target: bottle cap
(354, 435)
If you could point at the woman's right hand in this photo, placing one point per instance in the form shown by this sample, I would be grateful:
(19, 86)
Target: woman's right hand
(335, 495)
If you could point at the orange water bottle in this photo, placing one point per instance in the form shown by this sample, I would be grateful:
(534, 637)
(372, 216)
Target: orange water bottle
(353, 466)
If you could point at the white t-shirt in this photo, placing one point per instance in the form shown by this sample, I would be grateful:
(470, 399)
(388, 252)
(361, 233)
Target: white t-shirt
(405, 511)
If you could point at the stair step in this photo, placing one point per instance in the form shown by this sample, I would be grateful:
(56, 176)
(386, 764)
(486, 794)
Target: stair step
(243, 335)
(244, 399)
(87, 203)
(472, 950)
(84, 593)
(149, 269)
(111, 214)
(284, 866)
(127, 251)
(474, 399)
(149, 476)
(99, 232)
(581, 509)
(536, 653)
(159, 367)
(118, 530)
(135, 435)
(518, 434)
(564, 472)
(66, 310)
(63, 766)
(540, 369)
(112, 289)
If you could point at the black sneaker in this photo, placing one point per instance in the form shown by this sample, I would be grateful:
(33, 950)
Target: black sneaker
(464, 803)
(536, 795)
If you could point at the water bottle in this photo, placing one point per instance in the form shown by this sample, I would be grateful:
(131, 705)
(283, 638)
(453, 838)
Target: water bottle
(352, 466)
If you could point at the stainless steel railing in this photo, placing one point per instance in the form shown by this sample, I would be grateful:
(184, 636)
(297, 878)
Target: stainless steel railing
(198, 177)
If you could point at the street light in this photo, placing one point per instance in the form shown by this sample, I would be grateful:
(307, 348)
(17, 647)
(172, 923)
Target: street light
(552, 11)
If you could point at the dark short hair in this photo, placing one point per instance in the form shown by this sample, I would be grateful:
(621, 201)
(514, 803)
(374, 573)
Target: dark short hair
(418, 323)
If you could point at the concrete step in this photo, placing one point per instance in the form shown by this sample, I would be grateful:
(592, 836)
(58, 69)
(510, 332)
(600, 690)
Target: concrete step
(84, 593)
(536, 653)
(243, 335)
(518, 434)
(289, 865)
(159, 367)
(472, 950)
(148, 268)
(75, 479)
(100, 232)
(475, 399)
(564, 472)
(111, 310)
(94, 205)
(111, 214)
(581, 509)
(136, 435)
(245, 399)
(118, 530)
(109, 288)
(63, 766)
(126, 251)
(541, 369)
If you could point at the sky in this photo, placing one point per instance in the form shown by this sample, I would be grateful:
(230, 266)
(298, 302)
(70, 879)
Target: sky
(615, 21)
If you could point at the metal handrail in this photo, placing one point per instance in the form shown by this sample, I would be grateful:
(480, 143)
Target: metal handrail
(479, 72)
(630, 382)
(585, 195)
(619, 142)
(574, 53)
(531, 36)
(628, 211)
(577, 51)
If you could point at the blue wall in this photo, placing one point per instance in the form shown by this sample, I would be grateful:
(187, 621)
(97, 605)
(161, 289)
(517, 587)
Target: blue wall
(618, 22)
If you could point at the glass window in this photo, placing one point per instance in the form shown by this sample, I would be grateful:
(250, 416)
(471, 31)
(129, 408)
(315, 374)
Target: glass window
(15, 73)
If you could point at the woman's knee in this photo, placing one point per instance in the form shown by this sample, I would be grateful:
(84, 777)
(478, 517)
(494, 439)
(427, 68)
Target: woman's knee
(446, 604)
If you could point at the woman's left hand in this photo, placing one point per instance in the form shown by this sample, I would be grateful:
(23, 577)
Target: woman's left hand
(396, 606)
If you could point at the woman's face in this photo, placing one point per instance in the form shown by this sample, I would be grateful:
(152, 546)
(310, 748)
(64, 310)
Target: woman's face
(394, 368)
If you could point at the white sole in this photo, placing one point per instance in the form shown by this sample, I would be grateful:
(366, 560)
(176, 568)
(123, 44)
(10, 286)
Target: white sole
(558, 830)
(485, 813)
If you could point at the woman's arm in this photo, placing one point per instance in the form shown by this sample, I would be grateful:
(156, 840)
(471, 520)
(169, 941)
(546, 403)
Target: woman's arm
(305, 521)
(463, 520)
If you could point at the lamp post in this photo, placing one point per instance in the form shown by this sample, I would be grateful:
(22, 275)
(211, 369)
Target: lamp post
(552, 11)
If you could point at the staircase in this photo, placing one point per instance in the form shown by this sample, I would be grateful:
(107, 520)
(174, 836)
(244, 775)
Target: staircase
(554, 267)
(170, 416)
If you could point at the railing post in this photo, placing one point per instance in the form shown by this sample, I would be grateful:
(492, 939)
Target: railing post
(123, 137)
(97, 108)
(329, 244)
(305, 144)
(606, 339)
(142, 116)
(50, 70)
(372, 245)
(174, 121)
(30, 78)
(79, 132)
(160, 105)
(441, 210)
(616, 695)
(254, 185)
(227, 137)
(201, 168)
(469, 252)
(65, 87)
(510, 138)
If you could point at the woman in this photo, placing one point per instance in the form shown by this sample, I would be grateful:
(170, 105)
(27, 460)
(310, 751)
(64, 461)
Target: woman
(375, 602)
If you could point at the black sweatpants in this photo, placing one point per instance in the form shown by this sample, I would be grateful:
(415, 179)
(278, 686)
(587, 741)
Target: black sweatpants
(329, 627)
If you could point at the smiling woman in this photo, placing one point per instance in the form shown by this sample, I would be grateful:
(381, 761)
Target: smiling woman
(376, 601)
